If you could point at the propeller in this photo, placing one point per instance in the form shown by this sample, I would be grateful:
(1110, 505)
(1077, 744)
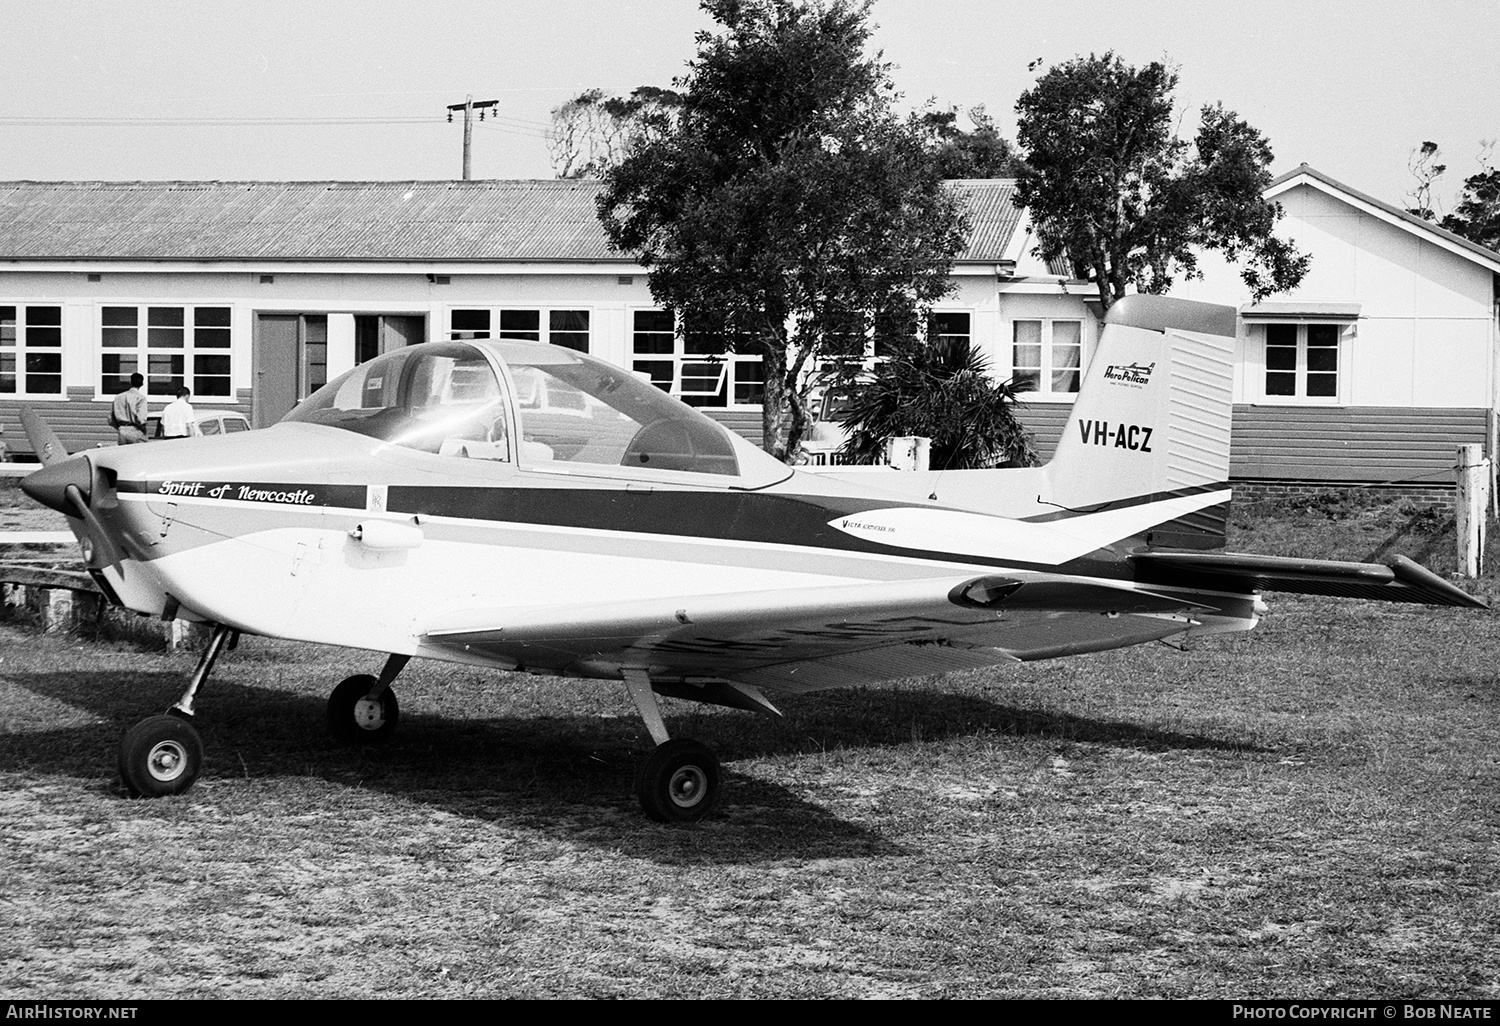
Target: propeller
(65, 483)
(44, 441)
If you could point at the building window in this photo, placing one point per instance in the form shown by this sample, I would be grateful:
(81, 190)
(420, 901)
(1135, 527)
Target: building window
(950, 334)
(693, 364)
(1047, 357)
(172, 346)
(1302, 361)
(566, 328)
(31, 350)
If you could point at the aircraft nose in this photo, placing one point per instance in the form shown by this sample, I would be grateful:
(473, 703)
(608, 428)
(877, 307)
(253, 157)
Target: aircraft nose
(49, 486)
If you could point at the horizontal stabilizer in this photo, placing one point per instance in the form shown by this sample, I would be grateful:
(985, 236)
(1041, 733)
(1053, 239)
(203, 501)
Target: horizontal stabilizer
(1400, 581)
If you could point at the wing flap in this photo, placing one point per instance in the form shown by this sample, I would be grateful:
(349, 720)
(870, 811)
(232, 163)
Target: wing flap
(1402, 580)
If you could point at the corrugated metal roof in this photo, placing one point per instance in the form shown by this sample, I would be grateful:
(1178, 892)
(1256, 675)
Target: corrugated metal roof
(993, 216)
(484, 221)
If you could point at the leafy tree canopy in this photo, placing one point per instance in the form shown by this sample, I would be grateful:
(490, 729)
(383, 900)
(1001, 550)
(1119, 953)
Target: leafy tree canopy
(1477, 216)
(1110, 185)
(982, 153)
(789, 210)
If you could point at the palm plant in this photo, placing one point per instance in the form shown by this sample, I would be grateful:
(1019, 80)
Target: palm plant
(932, 392)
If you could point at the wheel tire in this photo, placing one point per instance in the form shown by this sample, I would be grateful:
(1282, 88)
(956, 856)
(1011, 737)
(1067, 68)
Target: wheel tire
(159, 756)
(355, 718)
(679, 783)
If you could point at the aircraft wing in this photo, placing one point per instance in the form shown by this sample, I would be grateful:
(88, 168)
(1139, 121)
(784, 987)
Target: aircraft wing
(1400, 581)
(804, 639)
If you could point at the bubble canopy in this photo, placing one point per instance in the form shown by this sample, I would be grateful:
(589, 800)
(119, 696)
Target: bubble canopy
(539, 406)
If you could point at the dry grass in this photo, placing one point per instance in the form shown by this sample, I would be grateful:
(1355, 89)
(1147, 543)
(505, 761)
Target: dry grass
(1307, 811)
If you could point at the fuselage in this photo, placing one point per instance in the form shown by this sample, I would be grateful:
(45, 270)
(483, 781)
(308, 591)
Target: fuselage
(313, 533)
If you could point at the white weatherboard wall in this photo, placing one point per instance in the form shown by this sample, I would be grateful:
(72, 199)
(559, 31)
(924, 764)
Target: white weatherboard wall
(1425, 332)
(1416, 367)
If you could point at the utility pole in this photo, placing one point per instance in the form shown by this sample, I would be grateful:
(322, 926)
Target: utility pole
(469, 107)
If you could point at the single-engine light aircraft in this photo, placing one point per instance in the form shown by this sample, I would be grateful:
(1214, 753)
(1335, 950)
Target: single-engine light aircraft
(507, 504)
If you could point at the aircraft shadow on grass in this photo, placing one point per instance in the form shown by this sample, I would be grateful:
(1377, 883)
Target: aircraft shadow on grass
(552, 769)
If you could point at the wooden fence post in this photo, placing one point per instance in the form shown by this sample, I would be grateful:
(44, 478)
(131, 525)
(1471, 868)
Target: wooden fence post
(1471, 507)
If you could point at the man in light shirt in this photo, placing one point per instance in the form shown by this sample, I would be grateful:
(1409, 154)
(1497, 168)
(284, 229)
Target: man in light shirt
(127, 414)
(177, 418)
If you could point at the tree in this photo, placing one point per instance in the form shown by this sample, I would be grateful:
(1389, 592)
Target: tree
(593, 131)
(965, 412)
(1111, 187)
(1476, 216)
(1424, 166)
(982, 153)
(790, 213)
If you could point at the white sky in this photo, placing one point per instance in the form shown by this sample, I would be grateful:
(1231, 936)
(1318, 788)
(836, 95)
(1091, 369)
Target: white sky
(1349, 87)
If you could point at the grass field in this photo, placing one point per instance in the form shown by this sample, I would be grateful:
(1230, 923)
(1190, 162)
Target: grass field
(1306, 811)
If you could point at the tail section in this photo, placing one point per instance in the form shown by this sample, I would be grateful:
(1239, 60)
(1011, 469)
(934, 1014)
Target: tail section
(1145, 453)
(1153, 414)
(1151, 423)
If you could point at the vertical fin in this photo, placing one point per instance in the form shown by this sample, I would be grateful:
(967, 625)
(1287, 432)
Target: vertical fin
(1153, 414)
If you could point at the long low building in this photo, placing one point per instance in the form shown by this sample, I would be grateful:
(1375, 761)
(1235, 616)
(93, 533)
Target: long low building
(253, 294)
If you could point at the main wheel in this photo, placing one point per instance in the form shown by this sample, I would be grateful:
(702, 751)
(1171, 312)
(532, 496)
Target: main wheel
(159, 756)
(355, 717)
(679, 783)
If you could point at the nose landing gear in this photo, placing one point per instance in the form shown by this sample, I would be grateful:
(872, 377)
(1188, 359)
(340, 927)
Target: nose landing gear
(162, 755)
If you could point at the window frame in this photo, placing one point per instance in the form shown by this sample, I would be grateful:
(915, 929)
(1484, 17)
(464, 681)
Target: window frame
(1299, 395)
(1046, 371)
(23, 348)
(190, 350)
(935, 337)
(545, 329)
(736, 371)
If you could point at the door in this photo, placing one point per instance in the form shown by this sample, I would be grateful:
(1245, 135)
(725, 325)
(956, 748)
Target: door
(291, 362)
(377, 334)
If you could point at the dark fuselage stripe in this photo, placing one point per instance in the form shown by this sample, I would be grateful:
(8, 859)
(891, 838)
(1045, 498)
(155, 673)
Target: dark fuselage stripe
(746, 517)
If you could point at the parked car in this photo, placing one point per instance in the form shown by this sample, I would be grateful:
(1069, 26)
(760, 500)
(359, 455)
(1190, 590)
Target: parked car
(219, 422)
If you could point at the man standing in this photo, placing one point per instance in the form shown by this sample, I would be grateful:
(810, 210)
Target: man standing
(177, 418)
(128, 414)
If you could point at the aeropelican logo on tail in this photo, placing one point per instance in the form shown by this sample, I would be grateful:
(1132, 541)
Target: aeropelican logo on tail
(1129, 373)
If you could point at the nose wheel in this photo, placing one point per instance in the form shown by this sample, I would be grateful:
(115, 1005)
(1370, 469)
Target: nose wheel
(160, 756)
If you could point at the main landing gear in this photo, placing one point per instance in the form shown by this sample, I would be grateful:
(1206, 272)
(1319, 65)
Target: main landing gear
(680, 781)
(363, 709)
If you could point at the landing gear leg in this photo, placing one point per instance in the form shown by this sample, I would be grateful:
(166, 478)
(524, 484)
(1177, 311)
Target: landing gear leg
(680, 781)
(162, 755)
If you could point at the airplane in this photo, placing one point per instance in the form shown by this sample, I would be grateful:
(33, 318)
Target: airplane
(508, 504)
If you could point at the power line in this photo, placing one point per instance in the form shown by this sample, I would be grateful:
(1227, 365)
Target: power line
(111, 122)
